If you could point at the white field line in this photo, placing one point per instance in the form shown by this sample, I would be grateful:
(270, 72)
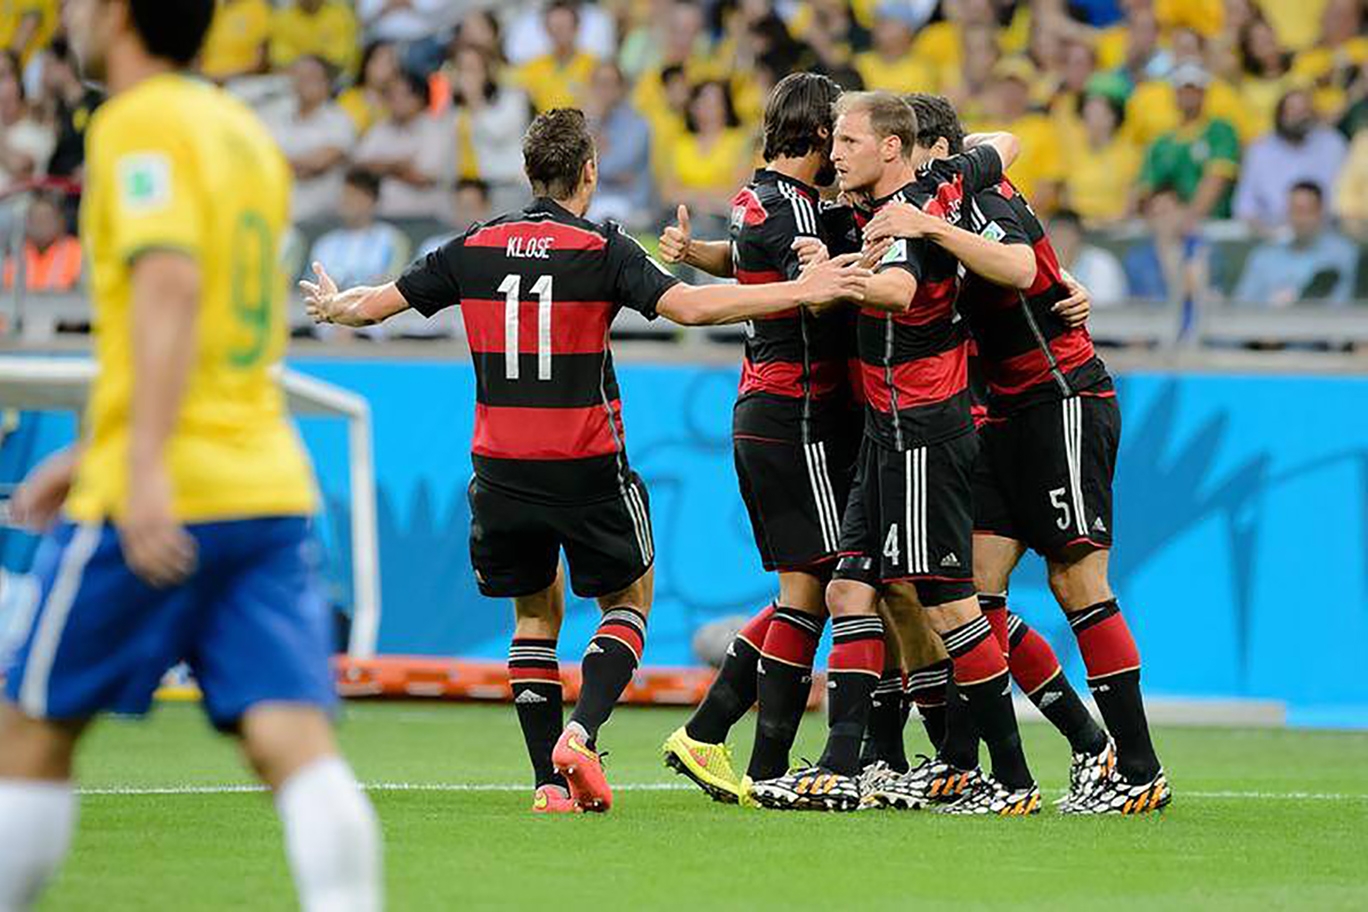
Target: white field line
(136, 791)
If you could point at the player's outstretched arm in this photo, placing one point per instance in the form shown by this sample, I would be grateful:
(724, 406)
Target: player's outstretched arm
(364, 305)
(838, 279)
(1007, 145)
(1009, 265)
(892, 290)
(678, 245)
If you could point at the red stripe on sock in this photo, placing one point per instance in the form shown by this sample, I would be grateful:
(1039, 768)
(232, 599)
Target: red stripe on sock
(1108, 647)
(1033, 662)
(790, 644)
(624, 633)
(857, 655)
(756, 628)
(997, 619)
(548, 675)
(982, 662)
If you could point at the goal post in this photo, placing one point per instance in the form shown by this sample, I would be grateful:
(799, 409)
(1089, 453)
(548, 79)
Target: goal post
(42, 384)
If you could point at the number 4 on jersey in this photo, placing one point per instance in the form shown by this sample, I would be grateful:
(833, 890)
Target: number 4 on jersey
(890, 548)
(512, 290)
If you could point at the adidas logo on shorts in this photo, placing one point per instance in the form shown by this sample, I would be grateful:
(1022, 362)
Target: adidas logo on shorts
(529, 696)
(950, 560)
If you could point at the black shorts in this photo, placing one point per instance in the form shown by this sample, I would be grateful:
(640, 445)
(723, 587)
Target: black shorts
(910, 519)
(1044, 475)
(515, 544)
(795, 494)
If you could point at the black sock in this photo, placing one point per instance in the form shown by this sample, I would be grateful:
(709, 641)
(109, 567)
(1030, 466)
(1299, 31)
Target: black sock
(853, 671)
(982, 678)
(1113, 663)
(1036, 669)
(785, 682)
(732, 693)
(926, 691)
(609, 661)
(884, 735)
(534, 675)
(960, 748)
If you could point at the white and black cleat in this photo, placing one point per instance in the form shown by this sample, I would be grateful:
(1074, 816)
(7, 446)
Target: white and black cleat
(809, 789)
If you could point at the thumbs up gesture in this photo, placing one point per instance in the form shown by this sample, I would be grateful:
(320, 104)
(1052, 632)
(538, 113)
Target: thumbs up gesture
(674, 241)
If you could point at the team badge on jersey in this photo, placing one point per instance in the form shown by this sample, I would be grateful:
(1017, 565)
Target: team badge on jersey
(145, 181)
(993, 232)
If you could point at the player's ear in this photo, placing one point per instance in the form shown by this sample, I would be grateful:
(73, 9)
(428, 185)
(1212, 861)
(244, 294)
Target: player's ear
(891, 148)
(589, 174)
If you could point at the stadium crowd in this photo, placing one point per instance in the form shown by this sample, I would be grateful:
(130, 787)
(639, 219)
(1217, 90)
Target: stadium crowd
(1180, 148)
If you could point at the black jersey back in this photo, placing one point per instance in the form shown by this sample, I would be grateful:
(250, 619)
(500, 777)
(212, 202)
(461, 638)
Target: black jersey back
(914, 365)
(1026, 352)
(538, 292)
(793, 378)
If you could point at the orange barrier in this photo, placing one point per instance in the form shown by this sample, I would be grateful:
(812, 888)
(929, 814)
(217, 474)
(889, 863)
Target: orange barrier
(465, 679)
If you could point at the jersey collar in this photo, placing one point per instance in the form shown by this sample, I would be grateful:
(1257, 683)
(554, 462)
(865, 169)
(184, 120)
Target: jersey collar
(766, 176)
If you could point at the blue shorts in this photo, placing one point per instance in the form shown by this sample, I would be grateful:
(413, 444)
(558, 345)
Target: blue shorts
(251, 623)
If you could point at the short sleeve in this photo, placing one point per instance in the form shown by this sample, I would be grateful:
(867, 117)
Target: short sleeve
(996, 219)
(432, 282)
(907, 254)
(153, 192)
(981, 167)
(638, 280)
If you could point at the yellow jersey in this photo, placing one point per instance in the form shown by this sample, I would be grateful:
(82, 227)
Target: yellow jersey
(12, 14)
(177, 164)
(330, 33)
(906, 74)
(239, 31)
(552, 84)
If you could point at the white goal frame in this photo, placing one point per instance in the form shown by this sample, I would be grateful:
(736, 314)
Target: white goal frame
(63, 384)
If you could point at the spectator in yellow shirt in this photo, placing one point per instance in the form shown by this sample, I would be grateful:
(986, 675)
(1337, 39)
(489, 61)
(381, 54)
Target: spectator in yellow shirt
(1066, 102)
(318, 28)
(1102, 164)
(365, 101)
(1351, 190)
(236, 43)
(967, 86)
(1337, 57)
(712, 157)
(27, 26)
(1267, 73)
(829, 27)
(890, 64)
(940, 43)
(560, 78)
(1153, 106)
(1039, 172)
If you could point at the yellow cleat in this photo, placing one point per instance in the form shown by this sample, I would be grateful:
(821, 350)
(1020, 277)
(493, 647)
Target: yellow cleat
(747, 799)
(708, 765)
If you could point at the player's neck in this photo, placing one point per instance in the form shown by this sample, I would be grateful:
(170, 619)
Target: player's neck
(802, 169)
(129, 65)
(894, 178)
(576, 205)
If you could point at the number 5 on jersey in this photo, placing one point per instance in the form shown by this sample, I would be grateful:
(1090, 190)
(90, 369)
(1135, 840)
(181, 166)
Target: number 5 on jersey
(512, 291)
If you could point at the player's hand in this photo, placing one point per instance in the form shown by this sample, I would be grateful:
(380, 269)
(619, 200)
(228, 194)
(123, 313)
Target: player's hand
(811, 251)
(872, 253)
(897, 220)
(838, 279)
(1074, 309)
(674, 240)
(320, 298)
(155, 544)
(39, 497)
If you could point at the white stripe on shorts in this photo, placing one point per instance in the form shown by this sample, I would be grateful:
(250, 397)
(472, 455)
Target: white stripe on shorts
(52, 620)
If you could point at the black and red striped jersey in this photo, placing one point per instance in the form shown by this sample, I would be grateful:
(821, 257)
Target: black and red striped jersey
(793, 377)
(538, 291)
(1026, 352)
(914, 365)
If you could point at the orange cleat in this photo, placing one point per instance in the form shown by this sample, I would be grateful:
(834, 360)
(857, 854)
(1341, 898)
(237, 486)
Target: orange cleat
(553, 799)
(583, 770)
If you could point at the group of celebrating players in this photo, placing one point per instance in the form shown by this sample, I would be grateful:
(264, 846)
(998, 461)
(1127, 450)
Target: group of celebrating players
(178, 527)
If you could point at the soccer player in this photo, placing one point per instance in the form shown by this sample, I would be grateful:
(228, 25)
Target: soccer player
(538, 290)
(909, 523)
(186, 530)
(794, 438)
(1043, 481)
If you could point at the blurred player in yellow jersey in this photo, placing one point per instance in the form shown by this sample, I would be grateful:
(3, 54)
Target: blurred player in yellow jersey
(179, 528)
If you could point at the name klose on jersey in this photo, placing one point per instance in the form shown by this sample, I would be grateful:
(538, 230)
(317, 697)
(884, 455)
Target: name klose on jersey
(534, 248)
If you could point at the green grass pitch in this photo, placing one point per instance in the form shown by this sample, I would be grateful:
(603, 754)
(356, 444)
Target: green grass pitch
(1261, 820)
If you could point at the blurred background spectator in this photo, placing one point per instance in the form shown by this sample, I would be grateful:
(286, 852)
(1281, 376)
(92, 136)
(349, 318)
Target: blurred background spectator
(410, 151)
(237, 41)
(322, 28)
(1200, 158)
(624, 146)
(560, 77)
(470, 204)
(1097, 268)
(1315, 263)
(1300, 149)
(490, 119)
(70, 103)
(362, 250)
(709, 160)
(315, 135)
(25, 144)
(1171, 264)
(51, 253)
(364, 101)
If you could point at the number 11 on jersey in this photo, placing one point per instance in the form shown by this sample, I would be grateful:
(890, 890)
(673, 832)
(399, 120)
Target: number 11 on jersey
(512, 290)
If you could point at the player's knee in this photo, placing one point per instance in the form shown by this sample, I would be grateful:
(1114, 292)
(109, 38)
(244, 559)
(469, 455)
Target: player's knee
(804, 592)
(1079, 580)
(279, 740)
(35, 748)
(846, 597)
